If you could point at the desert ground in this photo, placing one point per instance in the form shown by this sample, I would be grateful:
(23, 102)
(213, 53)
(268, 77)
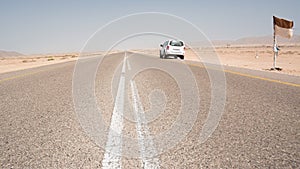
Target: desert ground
(9, 64)
(259, 57)
(14, 63)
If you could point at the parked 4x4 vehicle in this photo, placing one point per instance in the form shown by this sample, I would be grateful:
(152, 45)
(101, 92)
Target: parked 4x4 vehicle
(174, 48)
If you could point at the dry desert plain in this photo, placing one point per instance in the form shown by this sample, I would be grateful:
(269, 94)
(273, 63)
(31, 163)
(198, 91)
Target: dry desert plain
(258, 57)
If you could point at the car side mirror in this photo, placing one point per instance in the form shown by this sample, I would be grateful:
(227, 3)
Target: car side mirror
(161, 45)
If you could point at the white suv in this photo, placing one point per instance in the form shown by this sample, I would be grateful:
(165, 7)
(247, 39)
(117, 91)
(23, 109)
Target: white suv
(173, 48)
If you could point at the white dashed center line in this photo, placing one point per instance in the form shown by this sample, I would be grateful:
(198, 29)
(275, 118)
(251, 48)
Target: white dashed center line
(147, 148)
(113, 150)
(128, 65)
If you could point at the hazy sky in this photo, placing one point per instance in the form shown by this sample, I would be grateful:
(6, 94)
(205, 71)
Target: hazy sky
(48, 26)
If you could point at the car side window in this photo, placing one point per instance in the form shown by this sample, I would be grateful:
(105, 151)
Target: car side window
(166, 43)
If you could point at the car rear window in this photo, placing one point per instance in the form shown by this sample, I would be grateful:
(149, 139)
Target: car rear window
(176, 43)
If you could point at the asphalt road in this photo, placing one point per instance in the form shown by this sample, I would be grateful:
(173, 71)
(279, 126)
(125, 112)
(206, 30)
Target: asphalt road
(130, 110)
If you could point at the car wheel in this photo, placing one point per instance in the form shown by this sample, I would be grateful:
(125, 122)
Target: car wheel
(182, 57)
(164, 56)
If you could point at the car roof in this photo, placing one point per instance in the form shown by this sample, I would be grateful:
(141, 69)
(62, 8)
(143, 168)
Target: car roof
(175, 40)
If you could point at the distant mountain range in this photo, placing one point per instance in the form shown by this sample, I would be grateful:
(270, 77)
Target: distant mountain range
(9, 53)
(261, 40)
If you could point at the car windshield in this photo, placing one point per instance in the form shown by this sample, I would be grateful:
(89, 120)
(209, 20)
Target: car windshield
(176, 43)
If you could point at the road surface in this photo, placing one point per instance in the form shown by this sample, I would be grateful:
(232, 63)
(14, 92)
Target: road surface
(137, 111)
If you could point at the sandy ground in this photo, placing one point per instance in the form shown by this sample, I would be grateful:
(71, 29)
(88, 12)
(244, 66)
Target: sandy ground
(251, 57)
(21, 63)
(9, 64)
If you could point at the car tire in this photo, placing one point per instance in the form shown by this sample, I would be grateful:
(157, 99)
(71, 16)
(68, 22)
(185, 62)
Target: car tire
(182, 57)
(164, 56)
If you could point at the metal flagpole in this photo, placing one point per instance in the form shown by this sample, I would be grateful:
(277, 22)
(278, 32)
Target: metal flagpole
(274, 45)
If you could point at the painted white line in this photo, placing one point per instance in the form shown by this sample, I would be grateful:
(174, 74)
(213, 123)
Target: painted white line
(113, 150)
(128, 65)
(147, 148)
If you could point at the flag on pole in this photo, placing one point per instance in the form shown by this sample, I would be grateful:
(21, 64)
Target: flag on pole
(282, 27)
